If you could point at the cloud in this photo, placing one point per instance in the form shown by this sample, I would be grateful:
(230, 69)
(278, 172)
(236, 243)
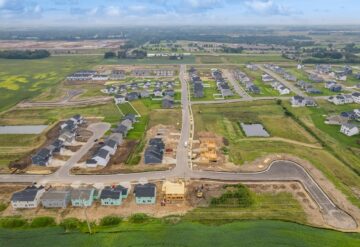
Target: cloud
(112, 11)
(268, 7)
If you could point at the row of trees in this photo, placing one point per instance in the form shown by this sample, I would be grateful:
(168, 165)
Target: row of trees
(24, 54)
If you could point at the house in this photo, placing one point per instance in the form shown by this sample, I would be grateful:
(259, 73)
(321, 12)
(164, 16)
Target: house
(356, 97)
(169, 92)
(290, 77)
(144, 94)
(323, 68)
(145, 193)
(67, 137)
(349, 115)
(102, 157)
(349, 129)
(283, 90)
(348, 98)
(267, 78)
(113, 195)
(337, 100)
(315, 78)
(111, 90)
(167, 102)
(132, 96)
(335, 88)
(42, 157)
(111, 146)
(100, 77)
(225, 89)
(122, 88)
(252, 88)
(55, 199)
(27, 198)
(83, 75)
(134, 86)
(164, 72)
(299, 101)
(124, 127)
(313, 90)
(252, 67)
(56, 147)
(119, 99)
(117, 75)
(83, 197)
(198, 90)
(131, 117)
(158, 92)
(141, 72)
(154, 152)
(173, 192)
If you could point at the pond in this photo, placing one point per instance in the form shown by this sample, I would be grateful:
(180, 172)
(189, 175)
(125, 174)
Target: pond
(23, 129)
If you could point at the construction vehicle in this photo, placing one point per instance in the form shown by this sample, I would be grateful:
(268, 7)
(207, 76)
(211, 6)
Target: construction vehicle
(200, 191)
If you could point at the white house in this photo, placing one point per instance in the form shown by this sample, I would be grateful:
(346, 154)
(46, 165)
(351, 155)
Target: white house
(283, 90)
(266, 78)
(111, 146)
(27, 198)
(356, 97)
(102, 157)
(299, 101)
(337, 100)
(119, 99)
(349, 129)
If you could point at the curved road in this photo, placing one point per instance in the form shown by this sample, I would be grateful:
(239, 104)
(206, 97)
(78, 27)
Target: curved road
(278, 171)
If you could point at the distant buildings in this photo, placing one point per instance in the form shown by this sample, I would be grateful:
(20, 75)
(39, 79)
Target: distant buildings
(299, 101)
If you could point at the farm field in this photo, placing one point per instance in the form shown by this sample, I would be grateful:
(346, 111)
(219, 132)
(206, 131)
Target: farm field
(223, 120)
(248, 233)
(37, 76)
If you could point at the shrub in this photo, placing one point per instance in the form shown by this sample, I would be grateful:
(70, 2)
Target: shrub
(240, 196)
(3, 206)
(139, 218)
(12, 222)
(43, 221)
(110, 221)
(70, 224)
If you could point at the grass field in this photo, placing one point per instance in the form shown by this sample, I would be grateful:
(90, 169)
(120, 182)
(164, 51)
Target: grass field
(226, 118)
(281, 206)
(151, 60)
(240, 59)
(242, 233)
(223, 120)
(25, 79)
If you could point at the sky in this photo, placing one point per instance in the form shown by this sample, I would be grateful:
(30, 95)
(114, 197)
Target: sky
(37, 13)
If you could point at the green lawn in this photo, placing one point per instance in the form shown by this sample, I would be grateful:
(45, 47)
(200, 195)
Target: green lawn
(25, 79)
(242, 233)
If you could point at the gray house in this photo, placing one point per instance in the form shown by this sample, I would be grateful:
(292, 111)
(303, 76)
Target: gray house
(55, 199)
(198, 89)
(132, 96)
(167, 102)
(154, 152)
